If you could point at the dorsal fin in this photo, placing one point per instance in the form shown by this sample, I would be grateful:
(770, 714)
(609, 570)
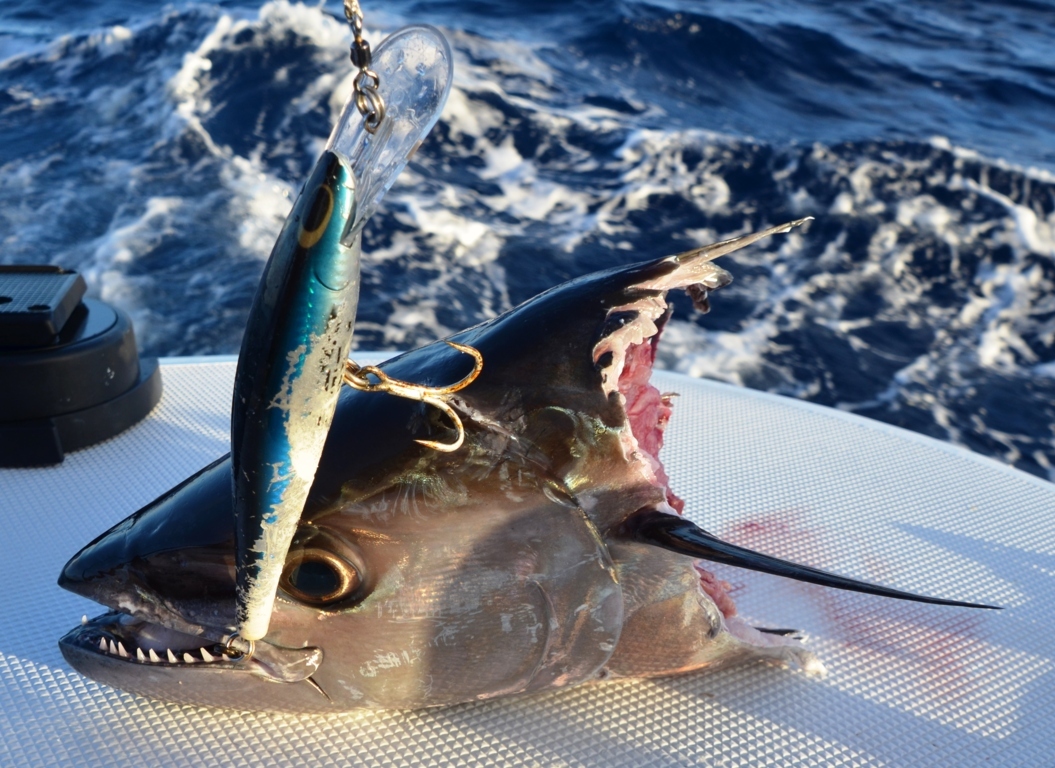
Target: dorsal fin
(680, 535)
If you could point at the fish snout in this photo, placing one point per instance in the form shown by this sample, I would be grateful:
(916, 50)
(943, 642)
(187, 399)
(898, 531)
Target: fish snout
(174, 556)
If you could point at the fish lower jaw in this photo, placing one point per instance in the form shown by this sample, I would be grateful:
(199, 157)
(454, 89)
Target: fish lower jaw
(123, 636)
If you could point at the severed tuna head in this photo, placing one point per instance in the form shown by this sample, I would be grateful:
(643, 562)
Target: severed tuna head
(546, 551)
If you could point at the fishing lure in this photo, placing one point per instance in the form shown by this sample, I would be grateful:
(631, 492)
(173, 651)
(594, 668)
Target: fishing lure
(293, 357)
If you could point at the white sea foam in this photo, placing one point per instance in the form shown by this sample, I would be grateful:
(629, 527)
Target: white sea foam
(923, 266)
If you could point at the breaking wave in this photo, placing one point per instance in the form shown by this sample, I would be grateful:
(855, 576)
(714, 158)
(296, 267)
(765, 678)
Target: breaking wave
(159, 157)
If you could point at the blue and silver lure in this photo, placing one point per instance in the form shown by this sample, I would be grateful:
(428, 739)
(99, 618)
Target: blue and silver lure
(300, 327)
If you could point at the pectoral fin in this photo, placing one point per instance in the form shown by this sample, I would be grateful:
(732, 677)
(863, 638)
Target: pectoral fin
(680, 535)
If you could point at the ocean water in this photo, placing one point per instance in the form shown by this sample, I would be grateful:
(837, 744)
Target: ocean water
(157, 150)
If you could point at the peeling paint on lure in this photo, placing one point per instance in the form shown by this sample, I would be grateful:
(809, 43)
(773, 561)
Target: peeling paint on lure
(289, 377)
(545, 552)
(291, 365)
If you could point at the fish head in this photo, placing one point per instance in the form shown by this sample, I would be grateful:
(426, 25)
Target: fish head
(419, 577)
(416, 577)
(546, 551)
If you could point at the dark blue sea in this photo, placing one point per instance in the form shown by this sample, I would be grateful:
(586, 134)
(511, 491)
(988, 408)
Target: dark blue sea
(157, 149)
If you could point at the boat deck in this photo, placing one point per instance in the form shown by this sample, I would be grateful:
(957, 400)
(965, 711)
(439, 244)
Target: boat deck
(908, 684)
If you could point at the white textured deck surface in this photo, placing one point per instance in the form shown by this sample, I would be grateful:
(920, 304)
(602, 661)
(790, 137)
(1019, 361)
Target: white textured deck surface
(908, 684)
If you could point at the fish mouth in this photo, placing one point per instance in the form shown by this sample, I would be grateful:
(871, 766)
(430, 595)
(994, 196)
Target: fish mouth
(135, 640)
(166, 579)
(152, 660)
(119, 638)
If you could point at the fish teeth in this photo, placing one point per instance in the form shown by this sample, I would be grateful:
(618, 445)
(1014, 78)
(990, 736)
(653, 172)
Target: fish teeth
(102, 645)
(113, 648)
(188, 658)
(154, 657)
(171, 655)
(207, 656)
(140, 655)
(84, 619)
(121, 651)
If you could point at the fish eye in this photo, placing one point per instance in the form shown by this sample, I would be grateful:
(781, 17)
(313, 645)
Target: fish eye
(318, 577)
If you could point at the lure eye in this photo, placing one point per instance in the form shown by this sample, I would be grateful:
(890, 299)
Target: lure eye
(318, 577)
(317, 217)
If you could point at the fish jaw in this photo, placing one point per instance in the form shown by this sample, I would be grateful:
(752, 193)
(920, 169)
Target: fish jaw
(155, 661)
(172, 648)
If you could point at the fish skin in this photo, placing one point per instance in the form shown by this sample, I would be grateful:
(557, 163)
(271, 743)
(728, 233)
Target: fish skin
(491, 571)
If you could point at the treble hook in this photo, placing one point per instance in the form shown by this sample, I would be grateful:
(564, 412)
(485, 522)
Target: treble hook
(355, 376)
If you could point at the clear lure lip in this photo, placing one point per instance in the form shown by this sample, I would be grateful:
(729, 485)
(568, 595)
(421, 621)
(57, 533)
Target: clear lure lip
(415, 69)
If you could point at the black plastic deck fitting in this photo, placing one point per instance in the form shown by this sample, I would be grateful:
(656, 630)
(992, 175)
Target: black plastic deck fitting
(70, 373)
